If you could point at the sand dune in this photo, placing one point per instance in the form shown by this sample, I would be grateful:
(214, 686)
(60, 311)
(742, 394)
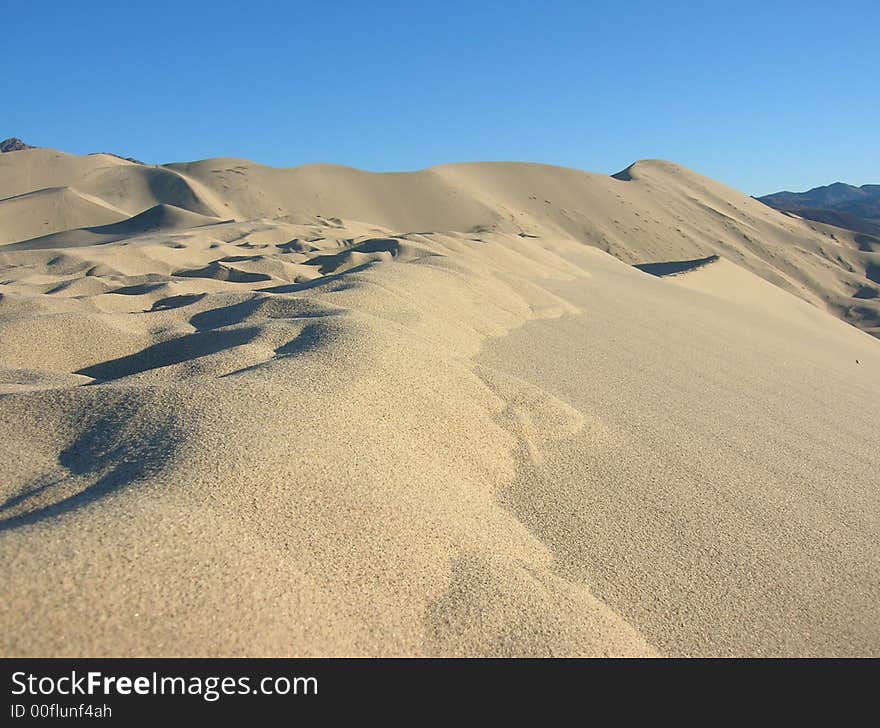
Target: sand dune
(51, 210)
(730, 505)
(159, 217)
(319, 411)
(36, 169)
(651, 211)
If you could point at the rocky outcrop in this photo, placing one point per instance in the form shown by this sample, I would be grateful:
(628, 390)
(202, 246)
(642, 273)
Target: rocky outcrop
(13, 144)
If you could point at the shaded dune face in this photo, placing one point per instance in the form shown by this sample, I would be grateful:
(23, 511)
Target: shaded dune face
(674, 267)
(259, 412)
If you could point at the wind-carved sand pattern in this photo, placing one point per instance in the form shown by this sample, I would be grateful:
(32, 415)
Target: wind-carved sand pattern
(108, 455)
(293, 322)
(316, 411)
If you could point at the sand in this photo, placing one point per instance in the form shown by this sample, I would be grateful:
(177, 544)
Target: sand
(318, 411)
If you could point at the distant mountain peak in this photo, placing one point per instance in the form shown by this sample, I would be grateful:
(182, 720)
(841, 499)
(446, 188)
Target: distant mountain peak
(840, 204)
(13, 144)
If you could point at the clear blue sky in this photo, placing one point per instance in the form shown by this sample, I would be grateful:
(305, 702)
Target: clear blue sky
(762, 95)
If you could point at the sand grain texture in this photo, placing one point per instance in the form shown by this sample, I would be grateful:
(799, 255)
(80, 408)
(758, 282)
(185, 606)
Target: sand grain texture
(317, 411)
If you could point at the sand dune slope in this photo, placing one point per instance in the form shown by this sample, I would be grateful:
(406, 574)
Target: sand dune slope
(730, 506)
(159, 217)
(52, 210)
(325, 412)
(651, 211)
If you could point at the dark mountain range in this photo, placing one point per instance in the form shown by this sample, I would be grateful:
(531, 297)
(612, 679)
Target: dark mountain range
(843, 205)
